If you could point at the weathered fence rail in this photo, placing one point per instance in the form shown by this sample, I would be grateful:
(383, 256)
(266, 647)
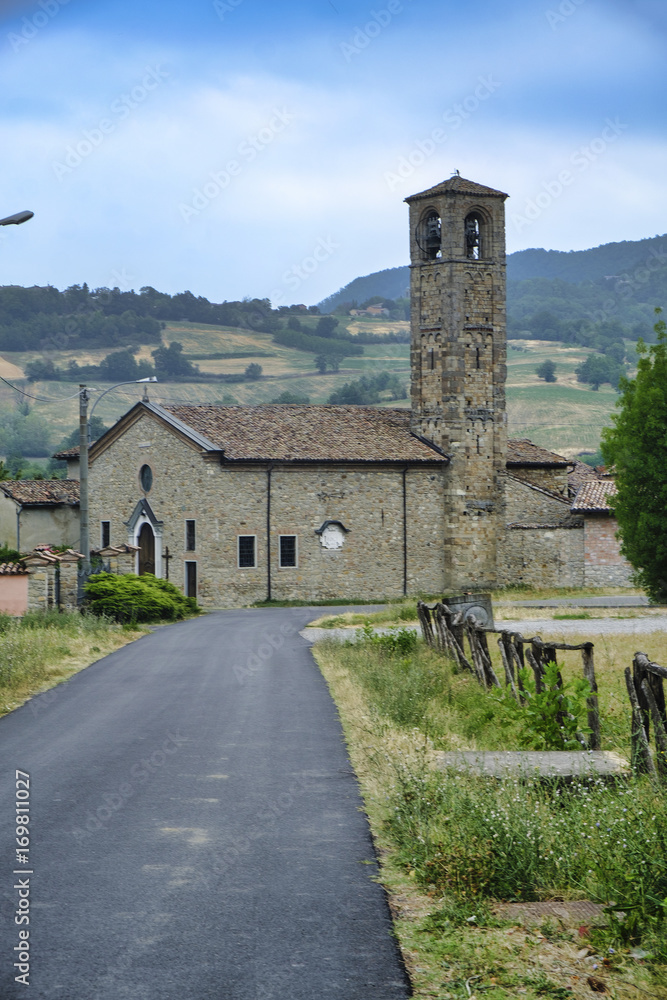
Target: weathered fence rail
(445, 630)
(645, 684)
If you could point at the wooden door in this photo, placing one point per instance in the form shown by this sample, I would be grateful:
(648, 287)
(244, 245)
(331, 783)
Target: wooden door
(146, 549)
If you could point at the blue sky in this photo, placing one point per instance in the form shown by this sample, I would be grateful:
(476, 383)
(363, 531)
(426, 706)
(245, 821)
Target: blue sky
(243, 147)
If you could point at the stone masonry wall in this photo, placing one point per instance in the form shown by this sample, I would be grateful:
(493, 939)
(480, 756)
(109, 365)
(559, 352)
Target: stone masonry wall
(231, 500)
(542, 557)
(549, 479)
(605, 566)
(528, 506)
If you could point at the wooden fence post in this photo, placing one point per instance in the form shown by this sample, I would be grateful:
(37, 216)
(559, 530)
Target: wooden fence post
(519, 658)
(488, 665)
(424, 616)
(475, 653)
(441, 632)
(642, 762)
(654, 675)
(594, 740)
(456, 648)
(639, 675)
(503, 643)
(660, 734)
(535, 666)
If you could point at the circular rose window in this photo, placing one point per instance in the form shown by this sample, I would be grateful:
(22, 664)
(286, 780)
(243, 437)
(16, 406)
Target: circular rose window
(146, 478)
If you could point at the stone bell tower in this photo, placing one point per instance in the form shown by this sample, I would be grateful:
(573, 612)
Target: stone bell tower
(458, 361)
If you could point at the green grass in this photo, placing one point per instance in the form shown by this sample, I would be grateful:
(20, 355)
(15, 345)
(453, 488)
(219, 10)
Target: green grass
(564, 416)
(474, 839)
(453, 845)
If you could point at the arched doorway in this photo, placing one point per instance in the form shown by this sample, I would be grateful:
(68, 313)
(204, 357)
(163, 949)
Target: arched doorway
(146, 543)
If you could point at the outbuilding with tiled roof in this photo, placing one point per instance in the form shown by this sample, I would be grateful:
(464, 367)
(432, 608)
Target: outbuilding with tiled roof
(34, 511)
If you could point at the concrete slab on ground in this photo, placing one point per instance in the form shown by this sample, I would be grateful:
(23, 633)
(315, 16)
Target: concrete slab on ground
(556, 629)
(631, 601)
(529, 763)
(571, 912)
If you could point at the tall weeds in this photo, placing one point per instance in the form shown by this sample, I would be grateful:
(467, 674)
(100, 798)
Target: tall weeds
(31, 646)
(477, 840)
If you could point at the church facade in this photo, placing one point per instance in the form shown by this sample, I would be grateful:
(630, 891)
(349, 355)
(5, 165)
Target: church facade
(240, 504)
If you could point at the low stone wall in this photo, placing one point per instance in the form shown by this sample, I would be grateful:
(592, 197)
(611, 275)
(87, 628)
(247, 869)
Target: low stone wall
(542, 556)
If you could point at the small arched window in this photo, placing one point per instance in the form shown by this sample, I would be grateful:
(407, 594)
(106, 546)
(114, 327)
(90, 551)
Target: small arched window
(474, 236)
(429, 235)
(146, 478)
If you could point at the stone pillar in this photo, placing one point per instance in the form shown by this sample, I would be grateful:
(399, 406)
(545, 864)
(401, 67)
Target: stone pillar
(42, 580)
(69, 580)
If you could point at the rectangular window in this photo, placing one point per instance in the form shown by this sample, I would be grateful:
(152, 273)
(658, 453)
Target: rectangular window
(247, 556)
(106, 533)
(191, 579)
(287, 550)
(190, 536)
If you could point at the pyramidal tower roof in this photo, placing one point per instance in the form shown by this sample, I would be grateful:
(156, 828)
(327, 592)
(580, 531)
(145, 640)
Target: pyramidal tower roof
(459, 185)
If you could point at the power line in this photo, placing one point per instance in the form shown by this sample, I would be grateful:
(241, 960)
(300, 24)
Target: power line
(40, 399)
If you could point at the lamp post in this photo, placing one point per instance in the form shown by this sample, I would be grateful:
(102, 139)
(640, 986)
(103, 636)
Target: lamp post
(16, 219)
(84, 440)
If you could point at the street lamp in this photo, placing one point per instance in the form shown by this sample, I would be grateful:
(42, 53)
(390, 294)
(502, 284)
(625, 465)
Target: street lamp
(16, 219)
(84, 439)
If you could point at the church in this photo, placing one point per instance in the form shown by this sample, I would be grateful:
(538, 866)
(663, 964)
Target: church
(238, 504)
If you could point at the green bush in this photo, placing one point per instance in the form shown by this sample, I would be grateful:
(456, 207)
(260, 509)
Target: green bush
(552, 719)
(131, 598)
(399, 641)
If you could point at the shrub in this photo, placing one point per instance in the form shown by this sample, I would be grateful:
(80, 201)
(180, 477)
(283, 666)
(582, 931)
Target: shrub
(131, 598)
(547, 371)
(553, 719)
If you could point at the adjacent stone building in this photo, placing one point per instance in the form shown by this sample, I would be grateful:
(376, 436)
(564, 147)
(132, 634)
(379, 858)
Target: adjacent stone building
(40, 511)
(604, 565)
(242, 504)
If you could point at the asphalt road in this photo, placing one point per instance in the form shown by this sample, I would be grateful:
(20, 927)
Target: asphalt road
(196, 828)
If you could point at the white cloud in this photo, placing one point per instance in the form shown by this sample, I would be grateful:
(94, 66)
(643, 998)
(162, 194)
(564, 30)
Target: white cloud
(319, 172)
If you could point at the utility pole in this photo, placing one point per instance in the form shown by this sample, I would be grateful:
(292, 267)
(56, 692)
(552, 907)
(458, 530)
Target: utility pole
(84, 535)
(84, 444)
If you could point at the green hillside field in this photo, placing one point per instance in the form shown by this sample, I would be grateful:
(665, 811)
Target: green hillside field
(564, 416)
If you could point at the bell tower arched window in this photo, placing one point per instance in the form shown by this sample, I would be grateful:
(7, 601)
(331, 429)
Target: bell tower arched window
(474, 236)
(429, 236)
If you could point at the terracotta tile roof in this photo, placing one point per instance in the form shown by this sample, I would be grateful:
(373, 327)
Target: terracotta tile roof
(67, 453)
(457, 183)
(42, 492)
(12, 569)
(580, 474)
(595, 495)
(521, 451)
(307, 433)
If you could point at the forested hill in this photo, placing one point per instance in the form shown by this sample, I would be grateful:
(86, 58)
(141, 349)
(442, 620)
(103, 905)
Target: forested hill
(576, 266)
(606, 261)
(394, 283)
